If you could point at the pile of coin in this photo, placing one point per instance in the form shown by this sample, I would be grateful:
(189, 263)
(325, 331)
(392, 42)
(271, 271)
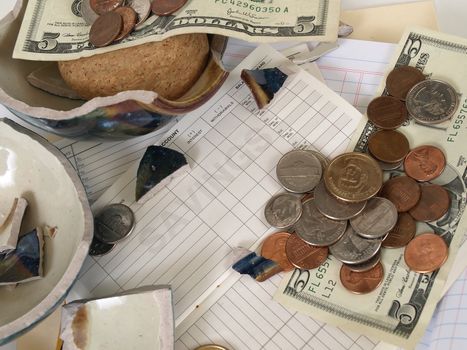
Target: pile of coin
(114, 20)
(343, 208)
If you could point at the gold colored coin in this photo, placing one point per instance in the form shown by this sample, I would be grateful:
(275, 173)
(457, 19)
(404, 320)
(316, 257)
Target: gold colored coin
(353, 177)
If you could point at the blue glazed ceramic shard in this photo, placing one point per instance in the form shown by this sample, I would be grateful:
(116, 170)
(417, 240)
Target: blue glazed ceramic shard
(25, 262)
(257, 267)
(157, 168)
(263, 84)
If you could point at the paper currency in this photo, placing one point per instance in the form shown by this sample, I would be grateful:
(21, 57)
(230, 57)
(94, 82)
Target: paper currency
(400, 309)
(54, 30)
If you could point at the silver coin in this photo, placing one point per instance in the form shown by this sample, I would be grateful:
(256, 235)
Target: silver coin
(354, 249)
(142, 8)
(432, 101)
(316, 229)
(389, 166)
(377, 219)
(299, 171)
(283, 210)
(367, 265)
(99, 248)
(334, 209)
(87, 12)
(114, 223)
(322, 159)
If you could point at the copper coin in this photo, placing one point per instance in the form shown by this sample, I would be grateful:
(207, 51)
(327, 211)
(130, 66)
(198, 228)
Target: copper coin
(425, 163)
(105, 29)
(401, 79)
(388, 146)
(387, 112)
(308, 196)
(103, 6)
(129, 17)
(303, 255)
(362, 282)
(166, 7)
(433, 204)
(426, 253)
(403, 191)
(402, 233)
(353, 177)
(274, 249)
(142, 8)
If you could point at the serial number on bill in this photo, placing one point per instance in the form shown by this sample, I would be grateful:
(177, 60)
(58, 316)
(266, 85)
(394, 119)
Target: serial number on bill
(253, 7)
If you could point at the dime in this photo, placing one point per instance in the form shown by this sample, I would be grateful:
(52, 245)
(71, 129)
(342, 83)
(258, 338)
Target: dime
(387, 112)
(211, 347)
(166, 7)
(389, 166)
(105, 29)
(334, 209)
(303, 255)
(299, 171)
(402, 233)
(87, 12)
(426, 253)
(283, 210)
(388, 146)
(129, 17)
(403, 191)
(376, 220)
(362, 282)
(401, 79)
(316, 229)
(432, 102)
(142, 8)
(354, 249)
(274, 249)
(103, 6)
(99, 248)
(114, 223)
(433, 204)
(353, 177)
(425, 163)
(365, 266)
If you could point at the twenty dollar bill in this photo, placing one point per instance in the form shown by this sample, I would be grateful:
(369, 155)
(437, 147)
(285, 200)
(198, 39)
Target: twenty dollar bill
(400, 309)
(54, 30)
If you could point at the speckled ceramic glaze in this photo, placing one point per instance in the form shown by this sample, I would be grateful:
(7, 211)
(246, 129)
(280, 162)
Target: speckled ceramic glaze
(126, 119)
(32, 168)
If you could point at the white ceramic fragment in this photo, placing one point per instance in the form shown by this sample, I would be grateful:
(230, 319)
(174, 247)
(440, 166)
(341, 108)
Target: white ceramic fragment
(12, 225)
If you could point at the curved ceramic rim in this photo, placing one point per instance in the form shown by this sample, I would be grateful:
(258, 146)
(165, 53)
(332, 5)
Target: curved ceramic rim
(24, 323)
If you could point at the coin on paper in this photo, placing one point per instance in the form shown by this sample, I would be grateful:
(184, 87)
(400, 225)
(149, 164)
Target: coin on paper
(99, 248)
(283, 210)
(273, 248)
(211, 347)
(114, 223)
(299, 171)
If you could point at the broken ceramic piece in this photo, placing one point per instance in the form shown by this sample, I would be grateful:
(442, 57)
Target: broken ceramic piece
(256, 267)
(23, 264)
(264, 83)
(157, 168)
(10, 229)
(6, 212)
(136, 319)
(344, 30)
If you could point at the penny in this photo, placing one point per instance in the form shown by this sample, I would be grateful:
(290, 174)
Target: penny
(87, 12)
(274, 249)
(166, 7)
(303, 255)
(299, 171)
(376, 220)
(129, 17)
(114, 223)
(353, 177)
(362, 282)
(433, 204)
(387, 112)
(316, 229)
(334, 209)
(211, 347)
(283, 210)
(104, 6)
(105, 29)
(432, 102)
(388, 146)
(354, 249)
(308, 196)
(403, 191)
(99, 248)
(426, 253)
(142, 8)
(402, 233)
(365, 266)
(389, 166)
(401, 79)
(425, 163)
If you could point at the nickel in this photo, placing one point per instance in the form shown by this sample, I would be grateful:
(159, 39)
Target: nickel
(114, 223)
(299, 171)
